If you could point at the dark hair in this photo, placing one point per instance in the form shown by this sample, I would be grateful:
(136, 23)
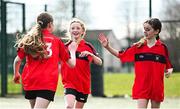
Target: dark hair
(43, 19)
(156, 25)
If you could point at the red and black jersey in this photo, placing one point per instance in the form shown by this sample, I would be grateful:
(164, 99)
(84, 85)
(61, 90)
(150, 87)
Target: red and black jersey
(42, 74)
(78, 78)
(150, 64)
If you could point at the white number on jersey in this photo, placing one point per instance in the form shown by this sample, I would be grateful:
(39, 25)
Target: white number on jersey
(49, 49)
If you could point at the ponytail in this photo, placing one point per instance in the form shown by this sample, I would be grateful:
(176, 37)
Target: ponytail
(157, 37)
(32, 42)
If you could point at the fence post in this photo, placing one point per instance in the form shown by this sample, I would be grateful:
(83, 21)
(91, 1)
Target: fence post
(3, 50)
(97, 87)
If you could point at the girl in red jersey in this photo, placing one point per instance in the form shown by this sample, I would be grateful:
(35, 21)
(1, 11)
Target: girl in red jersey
(76, 81)
(42, 51)
(150, 59)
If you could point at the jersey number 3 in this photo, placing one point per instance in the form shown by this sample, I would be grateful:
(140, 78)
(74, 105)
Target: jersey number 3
(49, 49)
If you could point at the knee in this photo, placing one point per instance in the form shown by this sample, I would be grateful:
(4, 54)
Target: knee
(69, 106)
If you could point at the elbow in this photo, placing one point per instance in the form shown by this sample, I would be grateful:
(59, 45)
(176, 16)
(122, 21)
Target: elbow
(72, 65)
(99, 62)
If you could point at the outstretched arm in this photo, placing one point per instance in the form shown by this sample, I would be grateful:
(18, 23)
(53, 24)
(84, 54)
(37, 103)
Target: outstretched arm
(105, 43)
(16, 66)
(95, 58)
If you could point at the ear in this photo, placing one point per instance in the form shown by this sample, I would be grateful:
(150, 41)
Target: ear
(48, 25)
(157, 31)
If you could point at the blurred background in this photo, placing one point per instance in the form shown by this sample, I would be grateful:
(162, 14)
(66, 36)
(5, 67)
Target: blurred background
(120, 20)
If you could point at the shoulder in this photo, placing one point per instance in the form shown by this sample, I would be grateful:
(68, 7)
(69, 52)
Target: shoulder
(88, 44)
(162, 44)
(68, 43)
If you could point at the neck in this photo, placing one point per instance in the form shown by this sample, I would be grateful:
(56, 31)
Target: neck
(151, 42)
(78, 40)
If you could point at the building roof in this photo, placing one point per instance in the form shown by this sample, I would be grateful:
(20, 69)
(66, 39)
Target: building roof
(93, 34)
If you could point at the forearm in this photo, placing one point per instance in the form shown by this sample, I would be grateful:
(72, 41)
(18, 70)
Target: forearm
(96, 59)
(16, 65)
(72, 60)
(112, 50)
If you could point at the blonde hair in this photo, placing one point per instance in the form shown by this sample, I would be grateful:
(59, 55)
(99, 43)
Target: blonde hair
(32, 42)
(76, 20)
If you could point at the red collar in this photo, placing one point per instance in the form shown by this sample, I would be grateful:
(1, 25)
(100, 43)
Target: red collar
(158, 42)
(82, 42)
(45, 31)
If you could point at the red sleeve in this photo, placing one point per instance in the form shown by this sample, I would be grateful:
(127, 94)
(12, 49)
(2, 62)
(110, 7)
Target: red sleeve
(127, 55)
(91, 50)
(168, 62)
(64, 53)
(21, 53)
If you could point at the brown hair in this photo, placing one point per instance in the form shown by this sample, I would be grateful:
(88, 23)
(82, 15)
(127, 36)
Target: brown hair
(156, 25)
(32, 42)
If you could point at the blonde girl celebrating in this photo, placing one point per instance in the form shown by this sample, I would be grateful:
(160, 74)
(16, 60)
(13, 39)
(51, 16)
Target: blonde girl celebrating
(76, 81)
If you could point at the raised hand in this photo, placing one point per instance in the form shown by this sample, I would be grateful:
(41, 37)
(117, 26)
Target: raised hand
(73, 46)
(103, 40)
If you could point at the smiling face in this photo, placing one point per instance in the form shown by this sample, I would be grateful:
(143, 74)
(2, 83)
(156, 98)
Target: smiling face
(76, 30)
(149, 32)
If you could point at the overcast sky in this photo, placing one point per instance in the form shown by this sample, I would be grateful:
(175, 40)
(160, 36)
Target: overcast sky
(108, 14)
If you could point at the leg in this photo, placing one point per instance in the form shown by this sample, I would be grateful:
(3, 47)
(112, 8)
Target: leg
(142, 103)
(81, 99)
(41, 103)
(69, 101)
(32, 103)
(155, 104)
(79, 105)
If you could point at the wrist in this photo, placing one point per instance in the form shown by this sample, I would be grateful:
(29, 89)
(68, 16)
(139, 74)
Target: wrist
(108, 46)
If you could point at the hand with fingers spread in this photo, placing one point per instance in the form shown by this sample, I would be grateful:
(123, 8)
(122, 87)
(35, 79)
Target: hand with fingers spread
(85, 53)
(103, 40)
(73, 46)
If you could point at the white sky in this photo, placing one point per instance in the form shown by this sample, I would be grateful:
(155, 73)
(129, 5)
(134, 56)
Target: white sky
(106, 14)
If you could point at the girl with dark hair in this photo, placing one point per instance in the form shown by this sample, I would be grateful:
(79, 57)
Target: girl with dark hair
(42, 51)
(151, 59)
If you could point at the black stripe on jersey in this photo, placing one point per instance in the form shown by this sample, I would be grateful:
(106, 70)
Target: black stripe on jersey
(150, 57)
(68, 43)
(121, 51)
(92, 48)
(82, 58)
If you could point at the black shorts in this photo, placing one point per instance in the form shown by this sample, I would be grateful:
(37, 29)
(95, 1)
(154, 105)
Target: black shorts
(79, 96)
(46, 94)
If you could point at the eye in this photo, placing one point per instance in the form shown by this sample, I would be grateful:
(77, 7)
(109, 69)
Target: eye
(72, 28)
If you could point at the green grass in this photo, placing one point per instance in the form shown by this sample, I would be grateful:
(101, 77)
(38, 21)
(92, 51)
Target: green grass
(121, 83)
(114, 84)
(118, 83)
(172, 86)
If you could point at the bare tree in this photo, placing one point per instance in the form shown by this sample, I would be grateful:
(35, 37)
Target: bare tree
(64, 11)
